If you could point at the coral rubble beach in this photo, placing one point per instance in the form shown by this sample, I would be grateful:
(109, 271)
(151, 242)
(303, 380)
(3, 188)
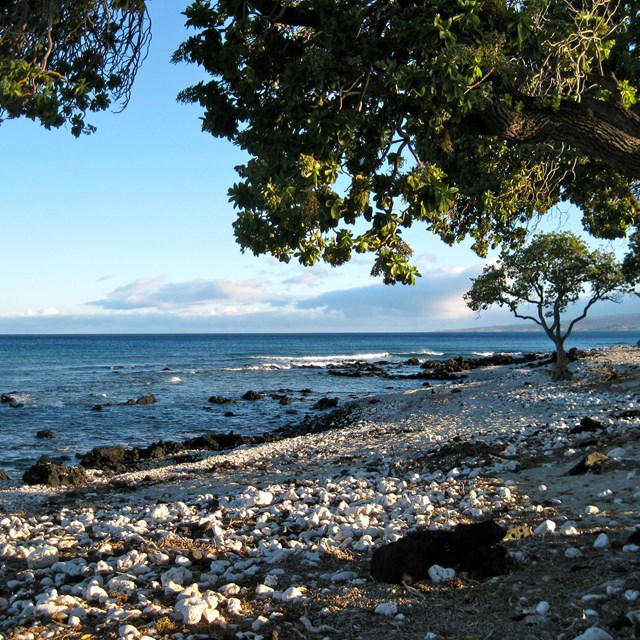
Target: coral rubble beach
(275, 540)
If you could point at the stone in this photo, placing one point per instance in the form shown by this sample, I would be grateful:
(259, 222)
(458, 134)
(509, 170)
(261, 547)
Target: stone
(45, 434)
(93, 592)
(292, 594)
(116, 458)
(387, 609)
(191, 609)
(602, 542)
(42, 557)
(160, 450)
(54, 474)
(468, 547)
(177, 575)
(587, 425)
(220, 400)
(149, 399)
(591, 463)
(253, 395)
(548, 526)
(441, 574)
(325, 403)
(4, 477)
(207, 441)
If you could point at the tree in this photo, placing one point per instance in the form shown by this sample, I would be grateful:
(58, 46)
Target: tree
(545, 277)
(60, 59)
(364, 117)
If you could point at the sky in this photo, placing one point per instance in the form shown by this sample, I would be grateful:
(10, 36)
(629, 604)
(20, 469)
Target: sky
(129, 230)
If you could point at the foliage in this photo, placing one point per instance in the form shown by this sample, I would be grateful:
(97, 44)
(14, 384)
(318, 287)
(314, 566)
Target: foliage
(60, 59)
(365, 117)
(554, 271)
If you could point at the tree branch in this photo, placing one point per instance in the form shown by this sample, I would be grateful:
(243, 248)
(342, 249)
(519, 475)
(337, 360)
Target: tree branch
(282, 13)
(599, 130)
(582, 316)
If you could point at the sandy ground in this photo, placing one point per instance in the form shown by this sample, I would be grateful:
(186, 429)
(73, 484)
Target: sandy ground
(499, 444)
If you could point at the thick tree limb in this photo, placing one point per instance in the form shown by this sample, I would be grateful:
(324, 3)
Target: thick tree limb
(597, 129)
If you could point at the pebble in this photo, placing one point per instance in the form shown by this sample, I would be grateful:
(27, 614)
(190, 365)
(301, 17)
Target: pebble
(42, 557)
(602, 542)
(542, 607)
(440, 574)
(548, 526)
(387, 609)
(292, 594)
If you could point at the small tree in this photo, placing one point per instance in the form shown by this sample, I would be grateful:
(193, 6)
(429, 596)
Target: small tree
(553, 271)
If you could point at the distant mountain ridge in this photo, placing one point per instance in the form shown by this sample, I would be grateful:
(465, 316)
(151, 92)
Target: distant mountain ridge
(623, 322)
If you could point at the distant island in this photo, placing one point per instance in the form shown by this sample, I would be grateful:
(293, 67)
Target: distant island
(623, 322)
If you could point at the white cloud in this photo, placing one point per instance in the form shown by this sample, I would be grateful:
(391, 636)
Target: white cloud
(158, 294)
(154, 305)
(47, 312)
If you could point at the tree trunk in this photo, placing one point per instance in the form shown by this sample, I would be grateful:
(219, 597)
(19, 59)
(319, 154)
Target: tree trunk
(561, 369)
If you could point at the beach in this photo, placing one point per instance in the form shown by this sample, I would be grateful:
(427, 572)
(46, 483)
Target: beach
(276, 540)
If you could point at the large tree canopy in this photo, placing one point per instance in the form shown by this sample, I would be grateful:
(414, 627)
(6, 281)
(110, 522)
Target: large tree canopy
(60, 59)
(363, 117)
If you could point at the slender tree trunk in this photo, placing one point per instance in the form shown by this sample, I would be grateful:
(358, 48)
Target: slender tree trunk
(561, 369)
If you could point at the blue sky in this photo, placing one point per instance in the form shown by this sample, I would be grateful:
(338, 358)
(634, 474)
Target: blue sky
(129, 229)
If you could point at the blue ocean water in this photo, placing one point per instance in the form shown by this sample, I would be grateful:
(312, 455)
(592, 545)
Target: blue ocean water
(58, 379)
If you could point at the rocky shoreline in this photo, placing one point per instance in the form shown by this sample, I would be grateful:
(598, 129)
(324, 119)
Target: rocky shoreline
(275, 540)
(54, 472)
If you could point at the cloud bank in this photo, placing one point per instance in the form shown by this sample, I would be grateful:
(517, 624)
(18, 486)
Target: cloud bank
(250, 305)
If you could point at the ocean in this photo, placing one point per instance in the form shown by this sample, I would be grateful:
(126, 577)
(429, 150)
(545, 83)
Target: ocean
(58, 381)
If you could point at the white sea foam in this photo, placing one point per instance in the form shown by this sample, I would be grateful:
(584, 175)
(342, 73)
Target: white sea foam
(323, 361)
(175, 379)
(483, 354)
(260, 367)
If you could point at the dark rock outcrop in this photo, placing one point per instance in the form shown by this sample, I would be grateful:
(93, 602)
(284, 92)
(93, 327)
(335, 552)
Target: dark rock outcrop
(160, 450)
(253, 395)
(120, 459)
(587, 425)
(45, 434)
(11, 400)
(471, 548)
(150, 399)
(54, 474)
(220, 400)
(358, 370)
(4, 477)
(115, 458)
(326, 403)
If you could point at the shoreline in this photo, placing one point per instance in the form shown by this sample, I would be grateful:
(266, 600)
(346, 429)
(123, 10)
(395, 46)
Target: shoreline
(297, 521)
(116, 458)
